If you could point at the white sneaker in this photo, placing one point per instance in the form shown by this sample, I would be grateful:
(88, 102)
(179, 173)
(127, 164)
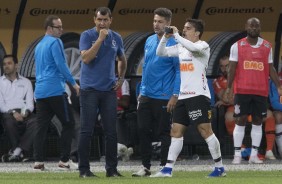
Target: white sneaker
(64, 166)
(163, 173)
(73, 165)
(269, 155)
(142, 172)
(255, 160)
(39, 166)
(128, 153)
(237, 160)
(121, 150)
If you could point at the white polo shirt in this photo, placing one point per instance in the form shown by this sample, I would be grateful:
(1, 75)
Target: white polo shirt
(16, 94)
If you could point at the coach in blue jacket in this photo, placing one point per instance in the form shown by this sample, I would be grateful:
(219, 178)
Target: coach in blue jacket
(158, 94)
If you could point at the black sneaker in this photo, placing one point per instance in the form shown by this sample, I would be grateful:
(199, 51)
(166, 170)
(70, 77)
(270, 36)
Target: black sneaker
(86, 174)
(15, 158)
(5, 158)
(114, 173)
(11, 158)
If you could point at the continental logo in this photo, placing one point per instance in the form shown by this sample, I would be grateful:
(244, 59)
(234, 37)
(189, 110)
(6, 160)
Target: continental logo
(232, 10)
(126, 11)
(55, 11)
(186, 67)
(253, 65)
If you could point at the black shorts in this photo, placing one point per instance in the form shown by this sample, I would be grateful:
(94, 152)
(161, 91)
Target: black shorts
(250, 104)
(193, 110)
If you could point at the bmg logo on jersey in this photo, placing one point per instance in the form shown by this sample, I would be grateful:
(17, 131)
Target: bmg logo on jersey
(253, 65)
(186, 67)
(195, 114)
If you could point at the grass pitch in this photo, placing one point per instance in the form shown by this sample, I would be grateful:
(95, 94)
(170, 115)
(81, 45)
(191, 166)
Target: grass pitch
(193, 177)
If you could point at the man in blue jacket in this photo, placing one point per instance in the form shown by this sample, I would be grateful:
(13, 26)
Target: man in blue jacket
(52, 73)
(158, 94)
(276, 104)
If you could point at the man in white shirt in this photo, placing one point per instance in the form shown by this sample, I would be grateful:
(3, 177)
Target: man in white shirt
(193, 106)
(17, 105)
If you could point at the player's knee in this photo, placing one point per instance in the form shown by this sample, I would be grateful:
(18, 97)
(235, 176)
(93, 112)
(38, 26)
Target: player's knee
(177, 133)
(205, 131)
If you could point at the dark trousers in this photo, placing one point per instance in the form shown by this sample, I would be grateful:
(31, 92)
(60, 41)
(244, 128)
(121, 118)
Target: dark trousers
(74, 143)
(122, 131)
(90, 102)
(46, 108)
(127, 129)
(154, 124)
(20, 134)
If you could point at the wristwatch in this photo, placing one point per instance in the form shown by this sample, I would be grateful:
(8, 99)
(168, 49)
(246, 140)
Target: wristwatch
(12, 111)
(175, 95)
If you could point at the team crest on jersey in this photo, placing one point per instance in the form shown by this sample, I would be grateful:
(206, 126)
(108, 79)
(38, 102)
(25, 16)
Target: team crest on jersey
(209, 114)
(237, 109)
(114, 43)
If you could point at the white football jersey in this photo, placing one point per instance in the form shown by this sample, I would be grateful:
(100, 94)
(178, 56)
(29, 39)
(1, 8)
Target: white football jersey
(193, 59)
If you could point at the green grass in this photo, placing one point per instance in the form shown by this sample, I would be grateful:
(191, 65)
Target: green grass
(249, 177)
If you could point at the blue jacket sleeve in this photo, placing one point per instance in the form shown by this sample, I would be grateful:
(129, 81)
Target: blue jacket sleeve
(210, 83)
(60, 60)
(274, 97)
(177, 81)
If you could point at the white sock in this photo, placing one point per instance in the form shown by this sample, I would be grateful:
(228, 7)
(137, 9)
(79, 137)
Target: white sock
(214, 148)
(17, 151)
(278, 130)
(174, 150)
(238, 136)
(256, 135)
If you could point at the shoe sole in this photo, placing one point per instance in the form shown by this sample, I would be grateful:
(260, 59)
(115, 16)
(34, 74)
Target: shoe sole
(42, 169)
(64, 168)
(147, 174)
(135, 175)
(270, 158)
(161, 176)
(222, 175)
(84, 176)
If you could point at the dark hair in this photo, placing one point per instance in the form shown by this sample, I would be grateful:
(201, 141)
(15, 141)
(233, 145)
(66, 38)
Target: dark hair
(224, 57)
(103, 11)
(198, 24)
(15, 59)
(163, 12)
(49, 20)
